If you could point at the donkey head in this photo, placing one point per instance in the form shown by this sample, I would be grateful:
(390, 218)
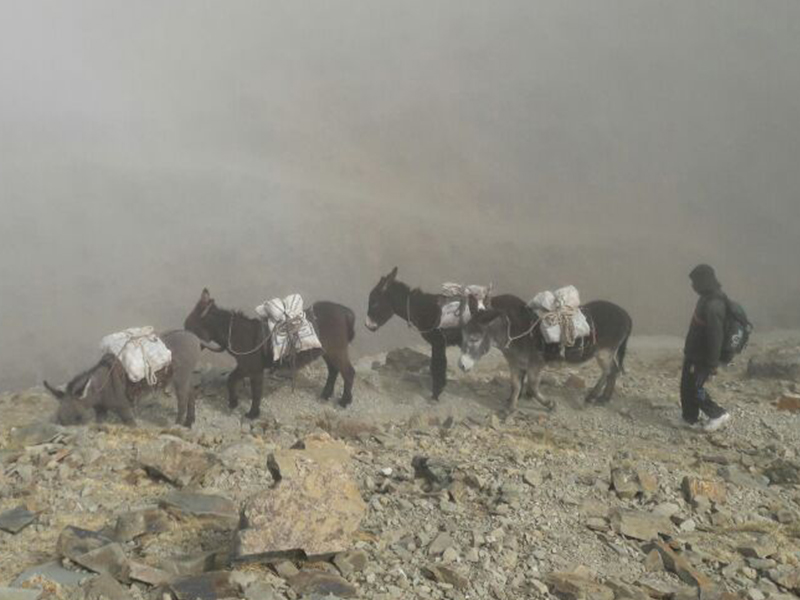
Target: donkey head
(196, 322)
(74, 401)
(379, 309)
(478, 334)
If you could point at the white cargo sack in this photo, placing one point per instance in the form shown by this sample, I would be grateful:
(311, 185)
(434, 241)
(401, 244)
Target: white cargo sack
(290, 328)
(456, 313)
(562, 321)
(142, 353)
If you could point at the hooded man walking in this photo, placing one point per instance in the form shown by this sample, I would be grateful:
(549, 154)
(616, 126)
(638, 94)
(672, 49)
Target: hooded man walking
(703, 349)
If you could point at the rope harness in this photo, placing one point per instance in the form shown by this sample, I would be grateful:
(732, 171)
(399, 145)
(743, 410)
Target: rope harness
(564, 317)
(229, 345)
(527, 332)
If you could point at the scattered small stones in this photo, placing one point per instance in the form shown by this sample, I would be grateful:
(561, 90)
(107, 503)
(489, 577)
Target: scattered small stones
(572, 586)
(208, 586)
(350, 562)
(447, 575)
(7, 593)
(436, 473)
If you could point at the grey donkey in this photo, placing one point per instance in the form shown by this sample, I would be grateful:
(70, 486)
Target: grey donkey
(106, 387)
(514, 329)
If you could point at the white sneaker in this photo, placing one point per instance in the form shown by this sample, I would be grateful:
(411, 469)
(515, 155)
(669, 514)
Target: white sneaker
(715, 424)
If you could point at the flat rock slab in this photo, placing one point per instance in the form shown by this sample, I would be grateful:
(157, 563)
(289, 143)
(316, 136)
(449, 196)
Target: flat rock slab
(132, 525)
(190, 564)
(104, 587)
(314, 508)
(75, 541)
(149, 575)
(640, 525)
(110, 560)
(16, 519)
(176, 461)
(351, 562)
(216, 510)
(209, 586)
(54, 572)
(310, 583)
(34, 435)
(674, 563)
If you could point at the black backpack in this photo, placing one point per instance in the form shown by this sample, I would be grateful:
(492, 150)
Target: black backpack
(737, 331)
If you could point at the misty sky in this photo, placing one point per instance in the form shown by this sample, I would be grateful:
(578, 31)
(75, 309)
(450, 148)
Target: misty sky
(148, 149)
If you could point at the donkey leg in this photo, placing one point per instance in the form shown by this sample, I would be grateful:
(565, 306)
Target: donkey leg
(330, 383)
(517, 376)
(100, 413)
(233, 379)
(611, 379)
(438, 368)
(605, 361)
(349, 376)
(190, 408)
(534, 382)
(256, 387)
(125, 413)
(180, 397)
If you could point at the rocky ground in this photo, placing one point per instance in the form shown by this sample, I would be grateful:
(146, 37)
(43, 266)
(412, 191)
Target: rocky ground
(424, 500)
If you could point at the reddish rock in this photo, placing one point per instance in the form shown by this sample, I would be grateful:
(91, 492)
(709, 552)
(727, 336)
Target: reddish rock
(693, 487)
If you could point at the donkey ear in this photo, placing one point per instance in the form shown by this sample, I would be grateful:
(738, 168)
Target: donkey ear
(472, 302)
(390, 277)
(205, 296)
(58, 394)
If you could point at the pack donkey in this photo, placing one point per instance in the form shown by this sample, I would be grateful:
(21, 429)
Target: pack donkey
(248, 340)
(106, 386)
(423, 312)
(514, 330)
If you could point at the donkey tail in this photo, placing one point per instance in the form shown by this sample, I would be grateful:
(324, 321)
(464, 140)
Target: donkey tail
(620, 358)
(351, 325)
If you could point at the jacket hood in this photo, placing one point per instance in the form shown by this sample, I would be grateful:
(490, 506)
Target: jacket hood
(704, 279)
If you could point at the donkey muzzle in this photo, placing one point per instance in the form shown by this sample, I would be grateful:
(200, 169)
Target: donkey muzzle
(370, 324)
(466, 363)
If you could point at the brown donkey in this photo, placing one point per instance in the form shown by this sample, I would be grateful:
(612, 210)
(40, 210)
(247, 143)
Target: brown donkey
(248, 340)
(421, 311)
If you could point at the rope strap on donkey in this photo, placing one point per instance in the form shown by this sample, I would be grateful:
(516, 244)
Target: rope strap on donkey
(564, 317)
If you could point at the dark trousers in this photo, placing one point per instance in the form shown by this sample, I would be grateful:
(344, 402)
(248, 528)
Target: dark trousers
(694, 396)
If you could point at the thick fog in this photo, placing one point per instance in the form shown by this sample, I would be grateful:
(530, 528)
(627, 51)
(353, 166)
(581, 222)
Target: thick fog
(149, 149)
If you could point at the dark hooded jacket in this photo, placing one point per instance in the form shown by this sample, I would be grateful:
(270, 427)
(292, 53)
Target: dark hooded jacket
(707, 329)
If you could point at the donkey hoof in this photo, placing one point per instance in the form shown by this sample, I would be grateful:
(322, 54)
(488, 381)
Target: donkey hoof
(253, 414)
(345, 402)
(232, 404)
